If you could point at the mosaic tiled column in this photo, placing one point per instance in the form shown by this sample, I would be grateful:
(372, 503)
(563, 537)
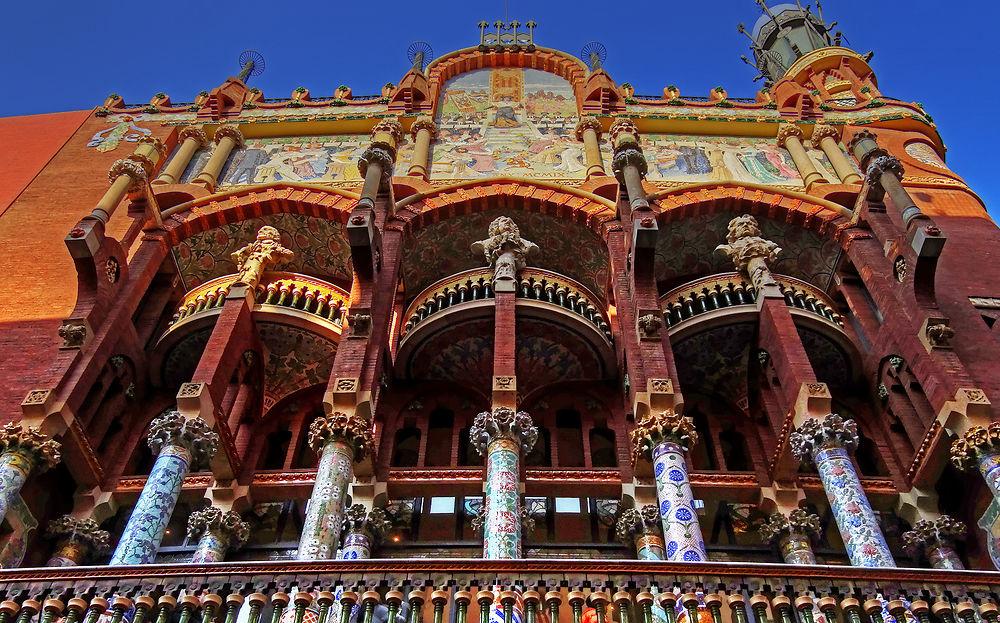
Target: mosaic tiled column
(827, 443)
(340, 440)
(363, 530)
(502, 437)
(180, 445)
(664, 437)
(979, 448)
(220, 532)
(936, 540)
(641, 527)
(793, 534)
(22, 449)
(76, 540)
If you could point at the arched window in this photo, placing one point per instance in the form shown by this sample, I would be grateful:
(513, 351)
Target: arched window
(406, 448)
(569, 437)
(440, 425)
(602, 447)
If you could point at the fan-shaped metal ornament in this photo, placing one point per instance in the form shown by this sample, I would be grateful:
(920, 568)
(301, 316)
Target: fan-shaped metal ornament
(419, 50)
(255, 58)
(594, 54)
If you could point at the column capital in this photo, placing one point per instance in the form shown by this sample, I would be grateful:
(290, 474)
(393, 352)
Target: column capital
(588, 123)
(84, 531)
(229, 131)
(787, 131)
(657, 428)
(196, 133)
(423, 123)
(228, 526)
(799, 521)
(153, 142)
(503, 422)
(263, 253)
(629, 156)
(131, 167)
(880, 165)
(862, 135)
(928, 534)
(389, 127)
(821, 131)
(624, 134)
(815, 434)
(637, 521)
(173, 429)
(748, 250)
(32, 443)
(352, 429)
(505, 250)
(380, 154)
(374, 522)
(977, 442)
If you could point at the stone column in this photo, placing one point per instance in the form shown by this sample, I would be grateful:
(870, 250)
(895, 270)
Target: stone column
(376, 163)
(979, 448)
(884, 172)
(588, 131)
(76, 541)
(825, 137)
(664, 437)
(502, 436)
(641, 527)
(827, 443)
(628, 163)
(340, 440)
(363, 530)
(192, 139)
(128, 175)
(22, 449)
(220, 532)
(180, 445)
(790, 137)
(936, 539)
(792, 534)
(227, 138)
(423, 131)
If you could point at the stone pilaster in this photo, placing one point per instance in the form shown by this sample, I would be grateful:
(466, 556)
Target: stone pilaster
(641, 528)
(363, 531)
(180, 445)
(220, 531)
(664, 437)
(503, 436)
(22, 449)
(793, 534)
(935, 539)
(76, 540)
(827, 443)
(340, 440)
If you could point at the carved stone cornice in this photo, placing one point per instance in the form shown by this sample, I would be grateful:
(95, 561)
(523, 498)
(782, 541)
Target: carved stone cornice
(424, 123)
(505, 250)
(635, 521)
(84, 531)
(260, 255)
(658, 427)
(978, 441)
(749, 252)
(374, 522)
(799, 521)
(505, 423)
(173, 429)
(352, 429)
(588, 123)
(196, 133)
(928, 534)
(228, 526)
(229, 131)
(814, 434)
(32, 443)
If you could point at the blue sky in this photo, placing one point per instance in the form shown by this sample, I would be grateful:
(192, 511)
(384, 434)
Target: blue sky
(66, 55)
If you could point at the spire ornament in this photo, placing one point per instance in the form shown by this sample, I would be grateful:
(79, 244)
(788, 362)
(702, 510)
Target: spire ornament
(505, 250)
(263, 253)
(749, 252)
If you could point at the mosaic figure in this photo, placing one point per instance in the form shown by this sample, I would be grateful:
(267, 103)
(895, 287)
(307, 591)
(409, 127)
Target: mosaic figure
(220, 532)
(642, 528)
(793, 534)
(22, 449)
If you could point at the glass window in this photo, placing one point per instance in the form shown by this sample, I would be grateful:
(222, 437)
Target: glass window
(440, 506)
(567, 505)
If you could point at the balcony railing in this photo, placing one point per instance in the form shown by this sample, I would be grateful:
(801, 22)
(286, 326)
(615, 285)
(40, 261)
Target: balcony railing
(276, 289)
(732, 290)
(533, 284)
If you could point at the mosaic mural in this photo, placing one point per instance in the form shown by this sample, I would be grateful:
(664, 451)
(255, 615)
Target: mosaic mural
(507, 121)
(443, 249)
(462, 353)
(725, 158)
(924, 153)
(548, 353)
(686, 249)
(715, 361)
(829, 361)
(293, 359)
(320, 248)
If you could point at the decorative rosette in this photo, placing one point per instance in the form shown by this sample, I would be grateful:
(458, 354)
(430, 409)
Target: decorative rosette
(976, 442)
(799, 521)
(503, 422)
(32, 443)
(657, 428)
(814, 434)
(353, 429)
(172, 428)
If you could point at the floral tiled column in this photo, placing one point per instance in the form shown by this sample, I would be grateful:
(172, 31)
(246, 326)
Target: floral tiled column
(936, 539)
(76, 540)
(641, 527)
(502, 436)
(340, 440)
(979, 448)
(363, 530)
(793, 534)
(664, 437)
(827, 442)
(22, 449)
(220, 532)
(180, 445)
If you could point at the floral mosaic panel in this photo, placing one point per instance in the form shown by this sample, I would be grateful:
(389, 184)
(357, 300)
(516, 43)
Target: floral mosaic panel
(715, 361)
(502, 528)
(463, 353)
(507, 121)
(293, 359)
(325, 513)
(443, 248)
(924, 153)
(320, 246)
(548, 353)
(681, 530)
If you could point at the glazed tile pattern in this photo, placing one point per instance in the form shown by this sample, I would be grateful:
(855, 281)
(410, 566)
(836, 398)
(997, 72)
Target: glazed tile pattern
(944, 557)
(681, 531)
(858, 527)
(989, 467)
(502, 529)
(650, 547)
(796, 549)
(325, 513)
(211, 548)
(14, 470)
(146, 525)
(356, 545)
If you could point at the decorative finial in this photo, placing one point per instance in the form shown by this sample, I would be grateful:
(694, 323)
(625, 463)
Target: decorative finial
(594, 54)
(251, 64)
(420, 51)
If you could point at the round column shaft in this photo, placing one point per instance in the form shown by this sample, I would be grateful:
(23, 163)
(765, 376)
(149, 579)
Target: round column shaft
(629, 163)
(192, 139)
(340, 440)
(220, 532)
(642, 528)
(792, 534)
(227, 138)
(363, 530)
(22, 449)
(790, 137)
(588, 131)
(376, 163)
(825, 137)
(827, 442)
(179, 444)
(423, 131)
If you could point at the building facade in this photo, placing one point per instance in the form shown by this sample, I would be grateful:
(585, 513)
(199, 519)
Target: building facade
(505, 340)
